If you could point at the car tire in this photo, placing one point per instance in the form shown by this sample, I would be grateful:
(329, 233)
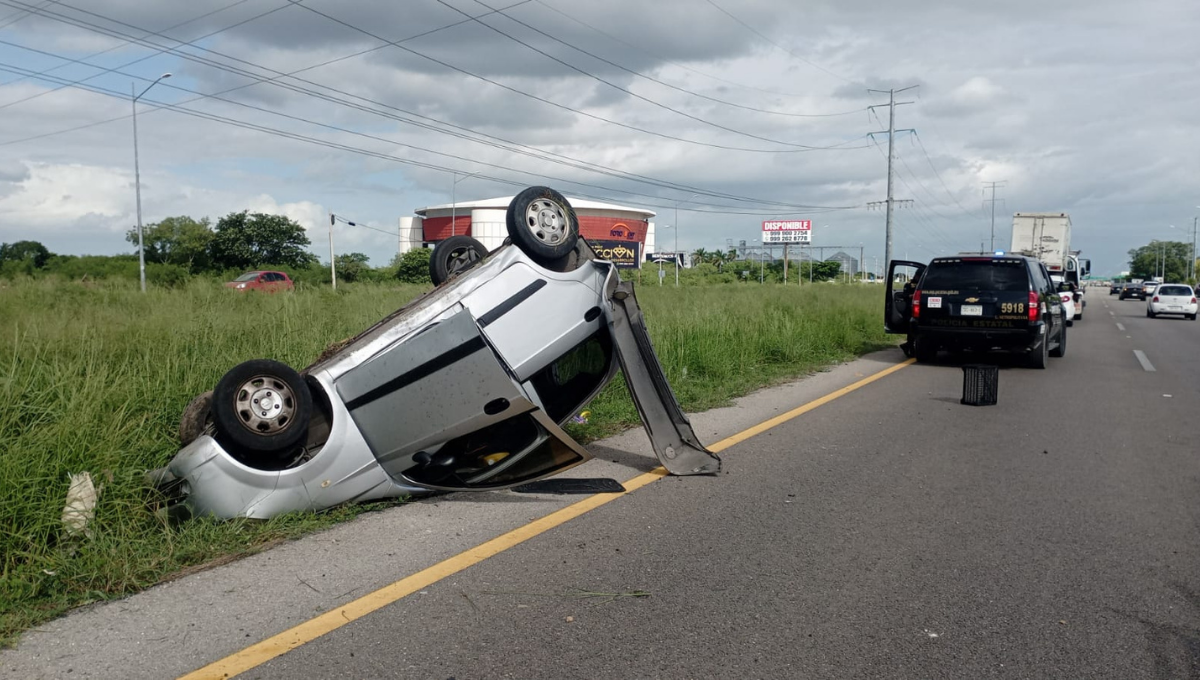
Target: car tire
(1038, 357)
(542, 223)
(1061, 350)
(1150, 314)
(924, 350)
(1191, 317)
(454, 256)
(267, 436)
(196, 416)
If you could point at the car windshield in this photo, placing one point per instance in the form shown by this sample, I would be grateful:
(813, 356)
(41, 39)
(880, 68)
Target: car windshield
(998, 275)
(248, 276)
(1175, 290)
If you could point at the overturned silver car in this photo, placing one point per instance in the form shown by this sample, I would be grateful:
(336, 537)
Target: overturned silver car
(465, 388)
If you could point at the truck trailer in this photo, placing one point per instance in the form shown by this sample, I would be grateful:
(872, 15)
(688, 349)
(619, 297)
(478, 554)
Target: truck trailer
(1047, 236)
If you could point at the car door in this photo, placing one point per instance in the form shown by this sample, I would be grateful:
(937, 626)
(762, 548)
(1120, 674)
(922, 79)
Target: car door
(1048, 291)
(898, 310)
(441, 410)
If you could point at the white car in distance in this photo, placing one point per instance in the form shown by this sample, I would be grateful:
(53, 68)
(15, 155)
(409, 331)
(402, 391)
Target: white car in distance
(1172, 298)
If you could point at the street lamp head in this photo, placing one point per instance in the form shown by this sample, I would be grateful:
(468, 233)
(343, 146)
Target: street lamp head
(164, 76)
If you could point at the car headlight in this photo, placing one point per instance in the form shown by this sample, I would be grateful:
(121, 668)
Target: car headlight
(241, 285)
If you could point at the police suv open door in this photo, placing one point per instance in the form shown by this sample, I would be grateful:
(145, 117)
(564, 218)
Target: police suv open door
(898, 311)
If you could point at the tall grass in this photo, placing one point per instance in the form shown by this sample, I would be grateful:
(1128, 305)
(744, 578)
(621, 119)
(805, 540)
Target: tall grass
(93, 377)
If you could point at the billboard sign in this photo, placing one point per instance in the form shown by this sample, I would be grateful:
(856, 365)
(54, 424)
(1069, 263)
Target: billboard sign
(787, 231)
(624, 254)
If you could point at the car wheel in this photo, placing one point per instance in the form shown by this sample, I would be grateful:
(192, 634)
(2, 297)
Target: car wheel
(924, 350)
(1037, 358)
(454, 256)
(1061, 350)
(261, 409)
(195, 418)
(1191, 317)
(1150, 314)
(542, 224)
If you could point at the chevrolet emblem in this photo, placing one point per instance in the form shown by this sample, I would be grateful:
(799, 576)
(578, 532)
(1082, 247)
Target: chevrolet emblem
(972, 299)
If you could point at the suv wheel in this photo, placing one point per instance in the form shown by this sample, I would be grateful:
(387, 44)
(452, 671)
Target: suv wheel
(1061, 350)
(1037, 358)
(924, 350)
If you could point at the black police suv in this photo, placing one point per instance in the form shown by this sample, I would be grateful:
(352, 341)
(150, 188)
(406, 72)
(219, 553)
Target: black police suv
(976, 303)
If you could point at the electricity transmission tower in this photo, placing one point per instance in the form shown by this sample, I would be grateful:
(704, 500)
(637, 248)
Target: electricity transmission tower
(992, 200)
(891, 133)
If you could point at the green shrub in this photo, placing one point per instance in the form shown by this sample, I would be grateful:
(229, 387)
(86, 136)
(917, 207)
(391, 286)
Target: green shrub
(413, 266)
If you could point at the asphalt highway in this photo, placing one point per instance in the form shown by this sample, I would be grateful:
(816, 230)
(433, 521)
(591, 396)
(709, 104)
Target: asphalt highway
(891, 533)
(885, 532)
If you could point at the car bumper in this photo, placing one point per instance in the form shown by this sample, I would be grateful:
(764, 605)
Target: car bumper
(971, 337)
(1159, 308)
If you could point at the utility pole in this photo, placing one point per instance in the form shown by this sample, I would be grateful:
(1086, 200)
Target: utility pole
(1192, 261)
(892, 104)
(332, 264)
(992, 186)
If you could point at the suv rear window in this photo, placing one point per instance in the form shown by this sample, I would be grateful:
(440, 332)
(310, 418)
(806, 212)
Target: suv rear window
(997, 275)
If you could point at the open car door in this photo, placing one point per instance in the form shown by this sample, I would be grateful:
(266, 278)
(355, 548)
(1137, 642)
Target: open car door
(898, 310)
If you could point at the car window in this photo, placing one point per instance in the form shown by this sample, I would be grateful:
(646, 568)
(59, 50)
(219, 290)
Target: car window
(248, 276)
(1042, 278)
(567, 383)
(1174, 290)
(272, 276)
(998, 275)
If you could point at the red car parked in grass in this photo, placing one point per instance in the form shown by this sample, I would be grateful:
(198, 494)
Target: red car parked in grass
(262, 280)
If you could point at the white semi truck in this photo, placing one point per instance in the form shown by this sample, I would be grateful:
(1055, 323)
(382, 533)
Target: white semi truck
(1047, 236)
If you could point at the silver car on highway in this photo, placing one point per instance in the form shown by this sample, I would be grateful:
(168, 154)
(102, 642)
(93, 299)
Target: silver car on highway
(465, 388)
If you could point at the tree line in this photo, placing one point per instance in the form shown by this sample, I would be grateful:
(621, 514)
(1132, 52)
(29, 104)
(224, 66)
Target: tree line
(179, 248)
(1168, 259)
(729, 261)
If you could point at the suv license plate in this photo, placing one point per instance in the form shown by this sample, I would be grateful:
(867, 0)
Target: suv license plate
(972, 310)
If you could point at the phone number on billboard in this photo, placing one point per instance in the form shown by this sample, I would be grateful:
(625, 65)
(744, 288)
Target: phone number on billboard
(787, 237)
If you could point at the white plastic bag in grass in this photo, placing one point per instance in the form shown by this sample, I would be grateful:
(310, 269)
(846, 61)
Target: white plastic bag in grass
(81, 504)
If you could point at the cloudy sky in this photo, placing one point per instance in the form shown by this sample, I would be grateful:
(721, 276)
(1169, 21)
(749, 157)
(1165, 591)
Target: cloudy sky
(730, 112)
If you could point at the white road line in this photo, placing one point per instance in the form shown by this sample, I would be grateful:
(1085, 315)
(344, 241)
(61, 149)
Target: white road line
(1141, 357)
(1112, 313)
(1120, 326)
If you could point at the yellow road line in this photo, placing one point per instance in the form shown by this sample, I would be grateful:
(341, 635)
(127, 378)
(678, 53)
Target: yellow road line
(801, 410)
(278, 645)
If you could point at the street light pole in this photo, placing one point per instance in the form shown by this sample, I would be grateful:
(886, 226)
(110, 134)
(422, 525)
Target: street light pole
(137, 178)
(676, 227)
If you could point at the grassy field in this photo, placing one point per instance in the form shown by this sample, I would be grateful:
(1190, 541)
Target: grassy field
(93, 378)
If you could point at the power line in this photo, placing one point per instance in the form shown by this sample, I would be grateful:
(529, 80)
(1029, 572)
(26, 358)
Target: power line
(677, 64)
(137, 61)
(375, 154)
(21, 15)
(797, 147)
(777, 45)
(208, 62)
(918, 214)
(334, 127)
(613, 85)
(650, 78)
(939, 176)
(532, 151)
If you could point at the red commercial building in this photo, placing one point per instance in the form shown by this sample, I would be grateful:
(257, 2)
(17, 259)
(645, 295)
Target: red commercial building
(608, 227)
